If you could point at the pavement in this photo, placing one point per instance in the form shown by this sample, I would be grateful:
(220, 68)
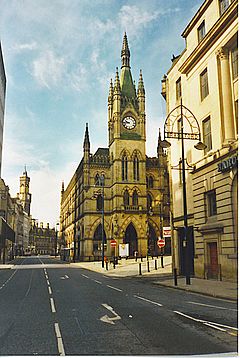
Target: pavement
(152, 269)
(164, 277)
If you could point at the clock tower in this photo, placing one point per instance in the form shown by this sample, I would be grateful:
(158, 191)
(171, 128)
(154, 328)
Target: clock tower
(24, 196)
(127, 140)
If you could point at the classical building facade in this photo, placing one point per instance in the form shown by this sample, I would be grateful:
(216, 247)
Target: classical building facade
(43, 240)
(2, 101)
(204, 78)
(132, 187)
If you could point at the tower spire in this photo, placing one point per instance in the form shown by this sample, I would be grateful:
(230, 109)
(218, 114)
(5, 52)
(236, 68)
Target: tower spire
(86, 144)
(141, 89)
(125, 53)
(110, 90)
(117, 83)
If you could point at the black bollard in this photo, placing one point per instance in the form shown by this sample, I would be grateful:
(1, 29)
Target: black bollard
(140, 269)
(107, 265)
(162, 261)
(148, 267)
(155, 264)
(175, 276)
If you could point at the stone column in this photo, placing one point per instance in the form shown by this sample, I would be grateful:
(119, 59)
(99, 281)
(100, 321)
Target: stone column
(227, 101)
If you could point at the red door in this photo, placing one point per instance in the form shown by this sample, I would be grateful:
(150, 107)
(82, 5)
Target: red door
(213, 260)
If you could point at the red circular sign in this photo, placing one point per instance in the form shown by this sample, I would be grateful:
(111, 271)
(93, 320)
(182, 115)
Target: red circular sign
(161, 243)
(113, 243)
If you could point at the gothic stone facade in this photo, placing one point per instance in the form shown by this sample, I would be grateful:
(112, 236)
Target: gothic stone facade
(135, 190)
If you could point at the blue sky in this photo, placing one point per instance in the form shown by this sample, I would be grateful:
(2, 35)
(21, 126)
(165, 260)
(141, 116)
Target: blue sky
(59, 58)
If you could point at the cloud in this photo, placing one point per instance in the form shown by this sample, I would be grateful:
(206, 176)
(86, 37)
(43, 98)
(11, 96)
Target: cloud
(48, 69)
(24, 46)
(133, 18)
(79, 78)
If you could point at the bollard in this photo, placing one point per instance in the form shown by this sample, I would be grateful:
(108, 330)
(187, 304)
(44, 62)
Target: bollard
(162, 261)
(175, 276)
(140, 269)
(107, 265)
(148, 268)
(155, 264)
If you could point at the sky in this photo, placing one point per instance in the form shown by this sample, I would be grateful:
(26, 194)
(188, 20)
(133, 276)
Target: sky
(59, 57)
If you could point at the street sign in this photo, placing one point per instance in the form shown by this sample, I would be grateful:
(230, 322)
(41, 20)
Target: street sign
(167, 231)
(161, 243)
(123, 250)
(113, 243)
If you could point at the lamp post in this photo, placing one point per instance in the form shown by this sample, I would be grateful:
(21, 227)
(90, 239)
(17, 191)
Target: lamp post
(182, 124)
(56, 237)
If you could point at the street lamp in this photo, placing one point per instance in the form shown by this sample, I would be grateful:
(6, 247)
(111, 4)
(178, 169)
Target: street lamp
(182, 124)
(100, 182)
(56, 237)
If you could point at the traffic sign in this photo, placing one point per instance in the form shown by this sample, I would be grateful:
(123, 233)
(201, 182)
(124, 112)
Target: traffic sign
(113, 243)
(167, 231)
(161, 243)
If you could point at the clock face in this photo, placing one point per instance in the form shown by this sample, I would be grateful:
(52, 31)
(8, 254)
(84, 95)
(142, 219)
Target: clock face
(129, 122)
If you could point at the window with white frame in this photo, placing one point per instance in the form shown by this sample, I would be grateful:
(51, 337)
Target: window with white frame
(207, 134)
(223, 5)
(201, 31)
(178, 89)
(204, 90)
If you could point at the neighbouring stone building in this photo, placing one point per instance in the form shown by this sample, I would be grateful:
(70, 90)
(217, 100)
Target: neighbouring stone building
(135, 193)
(17, 219)
(43, 240)
(2, 102)
(205, 78)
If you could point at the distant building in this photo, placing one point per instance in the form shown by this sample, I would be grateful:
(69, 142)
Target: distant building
(24, 195)
(7, 219)
(2, 102)
(205, 78)
(43, 240)
(132, 187)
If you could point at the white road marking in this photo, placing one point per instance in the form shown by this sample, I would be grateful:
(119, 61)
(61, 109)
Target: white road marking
(66, 276)
(46, 277)
(100, 283)
(48, 283)
(8, 279)
(145, 299)
(106, 318)
(52, 305)
(207, 323)
(114, 288)
(219, 307)
(59, 340)
(49, 290)
(84, 275)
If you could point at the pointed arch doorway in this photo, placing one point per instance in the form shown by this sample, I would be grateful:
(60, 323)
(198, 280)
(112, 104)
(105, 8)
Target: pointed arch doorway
(131, 239)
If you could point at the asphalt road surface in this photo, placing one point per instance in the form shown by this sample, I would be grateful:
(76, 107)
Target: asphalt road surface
(49, 308)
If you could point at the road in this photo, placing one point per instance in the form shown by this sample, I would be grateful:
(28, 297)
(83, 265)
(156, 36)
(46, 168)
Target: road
(49, 308)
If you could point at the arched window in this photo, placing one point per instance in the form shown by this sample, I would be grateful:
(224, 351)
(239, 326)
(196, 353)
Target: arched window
(124, 167)
(150, 182)
(149, 201)
(97, 238)
(135, 198)
(99, 202)
(135, 168)
(126, 198)
(99, 180)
